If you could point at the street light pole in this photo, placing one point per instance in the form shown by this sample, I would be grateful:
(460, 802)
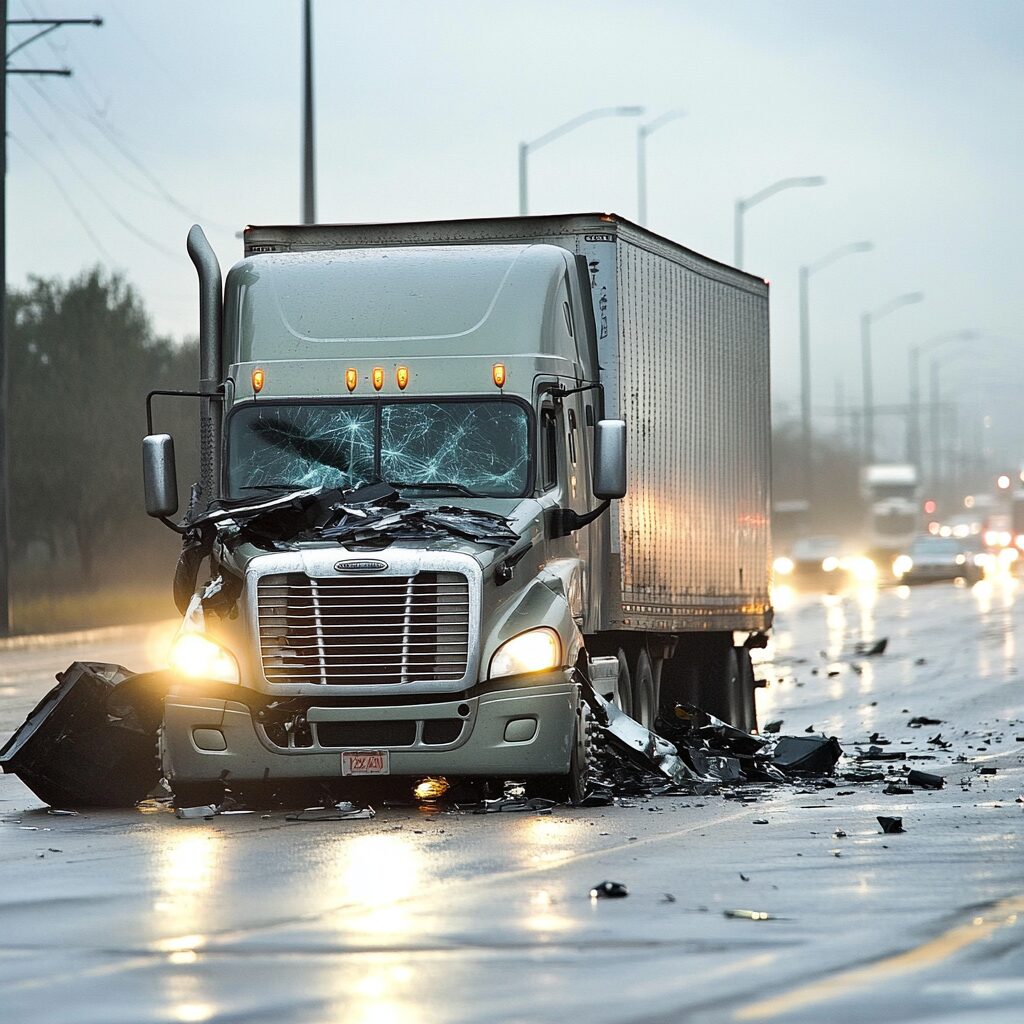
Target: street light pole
(742, 205)
(526, 148)
(867, 320)
(806, 428)
(308, 152)
(642, 132)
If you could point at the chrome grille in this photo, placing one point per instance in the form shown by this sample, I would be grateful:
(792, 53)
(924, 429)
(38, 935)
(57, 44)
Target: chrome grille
(364, 629)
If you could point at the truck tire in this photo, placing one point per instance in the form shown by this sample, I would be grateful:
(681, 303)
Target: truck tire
(624, 685)
(644, 698)
(745, 704)
(678, 683)
(570, 788)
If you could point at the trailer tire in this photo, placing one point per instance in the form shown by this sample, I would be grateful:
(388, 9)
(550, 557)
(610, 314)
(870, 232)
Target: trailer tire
(645, 706)
(744, 702)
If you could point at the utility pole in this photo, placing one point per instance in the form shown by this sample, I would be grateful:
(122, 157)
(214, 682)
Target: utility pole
(308, 154)
(44, 27)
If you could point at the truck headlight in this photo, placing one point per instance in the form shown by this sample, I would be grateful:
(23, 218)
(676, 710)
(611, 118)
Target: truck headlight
(195, 656)
(533, 651)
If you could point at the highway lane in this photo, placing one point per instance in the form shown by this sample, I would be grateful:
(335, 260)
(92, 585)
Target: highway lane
(422, 916)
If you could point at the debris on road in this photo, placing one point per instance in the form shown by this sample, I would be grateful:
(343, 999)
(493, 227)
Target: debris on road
(201, 811)
(872, 650)
(919, 720)
(343, 811)
(925, 780)
(749, 915)
(609, 891)
(800, 755)
(90, 742)
(773, 727)
(890, 825)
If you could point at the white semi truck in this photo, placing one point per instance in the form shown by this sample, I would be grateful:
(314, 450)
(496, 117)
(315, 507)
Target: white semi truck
(891, 493)
(456, 476)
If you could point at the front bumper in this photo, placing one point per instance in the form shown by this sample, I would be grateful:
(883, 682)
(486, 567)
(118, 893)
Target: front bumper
(526, 730)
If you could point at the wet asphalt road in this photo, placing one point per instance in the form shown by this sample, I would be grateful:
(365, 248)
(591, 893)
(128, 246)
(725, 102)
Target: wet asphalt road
(420, 917)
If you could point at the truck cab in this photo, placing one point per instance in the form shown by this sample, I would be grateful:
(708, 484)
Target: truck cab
(464, 378)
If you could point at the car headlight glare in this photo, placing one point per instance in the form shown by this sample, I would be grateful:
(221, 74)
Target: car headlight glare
(783, 566)
(195, 656)
(533, 651)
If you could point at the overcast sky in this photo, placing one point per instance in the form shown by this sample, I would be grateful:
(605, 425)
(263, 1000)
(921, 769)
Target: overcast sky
(912, 110)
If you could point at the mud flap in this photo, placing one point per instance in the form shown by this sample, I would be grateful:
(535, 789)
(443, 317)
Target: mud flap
(90, 742)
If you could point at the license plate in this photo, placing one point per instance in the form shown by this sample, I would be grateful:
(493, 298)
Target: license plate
(365, 762)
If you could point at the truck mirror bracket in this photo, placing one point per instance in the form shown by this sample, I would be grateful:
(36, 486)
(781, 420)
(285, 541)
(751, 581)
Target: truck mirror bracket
(560, 522)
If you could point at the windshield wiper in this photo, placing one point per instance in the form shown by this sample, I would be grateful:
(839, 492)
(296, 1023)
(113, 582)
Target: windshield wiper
(274, 487)
(433, 485)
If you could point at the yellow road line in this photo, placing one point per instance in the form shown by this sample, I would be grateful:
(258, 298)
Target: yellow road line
(1003, 914)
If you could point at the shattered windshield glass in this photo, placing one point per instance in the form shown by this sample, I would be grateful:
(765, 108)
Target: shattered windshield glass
(475, 448)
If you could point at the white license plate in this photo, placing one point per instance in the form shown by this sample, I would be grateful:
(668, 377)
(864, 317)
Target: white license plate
(365, 762)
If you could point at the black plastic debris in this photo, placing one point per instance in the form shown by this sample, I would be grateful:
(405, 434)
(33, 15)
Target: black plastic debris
(988, 771)
(919, 720)
(875, 753)
(773, 727)
(872, 650)
(503, 804)
(90, 742)
(608, 891)
(890, 825)
(806, 755)
(925, 780)
(895, 789)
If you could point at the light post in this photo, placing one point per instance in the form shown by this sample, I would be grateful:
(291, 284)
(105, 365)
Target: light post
(526, 148)
(867, 381)
(914, 379)
(805, 350)
(742, 205)
(642, 132)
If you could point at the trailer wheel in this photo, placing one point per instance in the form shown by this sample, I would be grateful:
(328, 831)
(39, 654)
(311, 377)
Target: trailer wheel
(644, 699)
(745, 706)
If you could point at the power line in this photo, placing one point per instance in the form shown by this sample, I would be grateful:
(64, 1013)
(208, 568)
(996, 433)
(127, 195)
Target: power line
(79, 216)
(126, 224)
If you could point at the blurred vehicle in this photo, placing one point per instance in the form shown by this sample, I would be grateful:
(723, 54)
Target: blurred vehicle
(817, 558)
(891, 494)
(930, 559)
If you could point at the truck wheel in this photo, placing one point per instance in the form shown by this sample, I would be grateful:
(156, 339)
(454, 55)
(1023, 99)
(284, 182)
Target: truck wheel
(570, 788)
(745, 705)
(718, 674)
(624, 685)
(644, 701)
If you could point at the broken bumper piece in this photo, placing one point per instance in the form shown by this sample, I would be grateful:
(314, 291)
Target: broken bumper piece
(509, 733)
(90, 742)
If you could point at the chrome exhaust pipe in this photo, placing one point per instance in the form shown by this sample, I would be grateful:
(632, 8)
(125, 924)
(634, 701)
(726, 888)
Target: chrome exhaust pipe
(211, 299)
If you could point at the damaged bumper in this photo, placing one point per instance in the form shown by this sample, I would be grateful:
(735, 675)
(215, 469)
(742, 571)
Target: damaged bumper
(521, 731)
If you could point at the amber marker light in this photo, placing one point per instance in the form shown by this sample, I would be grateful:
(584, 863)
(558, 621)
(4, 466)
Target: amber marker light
(402, 376)
(498, 374)
(259, 378)
(351, 379)
(378, 377)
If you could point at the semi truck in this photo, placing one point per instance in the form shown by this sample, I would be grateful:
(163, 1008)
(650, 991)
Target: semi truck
(455, 475)
(891, 493)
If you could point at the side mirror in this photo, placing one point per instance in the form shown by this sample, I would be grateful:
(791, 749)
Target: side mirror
(610, 459)
(159, 475)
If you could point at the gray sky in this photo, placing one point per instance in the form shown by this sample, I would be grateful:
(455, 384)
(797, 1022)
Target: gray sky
(910, 108)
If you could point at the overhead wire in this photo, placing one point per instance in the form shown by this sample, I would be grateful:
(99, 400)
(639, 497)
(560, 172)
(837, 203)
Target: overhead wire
(79, 216)
(115, 213)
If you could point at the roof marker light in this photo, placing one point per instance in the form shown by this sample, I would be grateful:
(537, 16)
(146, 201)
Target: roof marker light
(259, 378)
(402, 376)
(498, 375)
(378, 377)
(351, 378)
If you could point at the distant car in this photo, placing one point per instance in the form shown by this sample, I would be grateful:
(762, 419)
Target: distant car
(938, 558)
(813, 558)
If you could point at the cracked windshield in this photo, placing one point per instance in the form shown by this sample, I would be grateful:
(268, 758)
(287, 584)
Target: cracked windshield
(477, 448)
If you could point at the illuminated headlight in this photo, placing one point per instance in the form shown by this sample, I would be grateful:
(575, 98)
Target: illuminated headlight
(783, 566)
(195, 656)
(830, 564)
(536, 650)
(863, 568)
(902, 565)
(960, 559)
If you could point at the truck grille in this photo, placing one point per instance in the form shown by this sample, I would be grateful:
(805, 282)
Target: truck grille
(386, 629)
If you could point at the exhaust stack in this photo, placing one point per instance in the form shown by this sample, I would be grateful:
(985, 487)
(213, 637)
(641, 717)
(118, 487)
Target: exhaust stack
(210, 374)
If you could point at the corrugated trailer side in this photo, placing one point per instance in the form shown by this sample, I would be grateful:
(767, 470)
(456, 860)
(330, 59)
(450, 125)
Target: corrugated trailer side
(692, 372)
